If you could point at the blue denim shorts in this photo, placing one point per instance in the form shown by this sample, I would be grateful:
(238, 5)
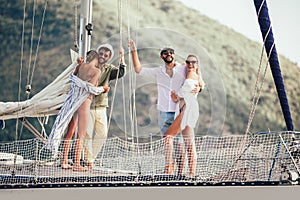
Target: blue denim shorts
(165, 119)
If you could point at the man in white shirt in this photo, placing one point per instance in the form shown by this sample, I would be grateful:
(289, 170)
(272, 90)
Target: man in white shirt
(169, 78)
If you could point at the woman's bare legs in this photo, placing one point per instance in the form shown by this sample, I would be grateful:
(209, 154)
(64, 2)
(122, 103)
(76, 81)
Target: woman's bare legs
(180, 157)
(172, 131)
(168, 146)
(188, 134)
(83, 119)
(67, 141)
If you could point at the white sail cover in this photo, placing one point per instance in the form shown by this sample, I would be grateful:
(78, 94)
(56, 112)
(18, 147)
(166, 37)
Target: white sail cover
(45, 103)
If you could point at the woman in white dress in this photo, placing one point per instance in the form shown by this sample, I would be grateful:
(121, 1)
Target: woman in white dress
(187, 114)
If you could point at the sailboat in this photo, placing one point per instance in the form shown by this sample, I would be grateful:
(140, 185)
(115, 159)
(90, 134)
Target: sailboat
(260, 159)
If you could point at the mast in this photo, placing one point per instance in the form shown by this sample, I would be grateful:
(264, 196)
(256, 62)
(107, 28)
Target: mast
(267, 34)
(86, 27)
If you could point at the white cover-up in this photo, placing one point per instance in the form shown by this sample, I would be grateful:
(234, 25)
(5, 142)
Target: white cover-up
(191, 112)
(78, 93)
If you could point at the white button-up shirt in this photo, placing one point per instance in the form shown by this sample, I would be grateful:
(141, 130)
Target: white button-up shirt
(165, 84)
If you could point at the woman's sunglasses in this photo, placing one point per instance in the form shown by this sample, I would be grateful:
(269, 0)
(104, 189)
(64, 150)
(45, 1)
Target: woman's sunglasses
(190, 62)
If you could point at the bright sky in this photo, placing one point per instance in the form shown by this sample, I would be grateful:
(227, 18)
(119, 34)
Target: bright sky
(240, 15)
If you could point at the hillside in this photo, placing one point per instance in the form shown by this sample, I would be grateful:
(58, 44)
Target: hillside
(229, 61)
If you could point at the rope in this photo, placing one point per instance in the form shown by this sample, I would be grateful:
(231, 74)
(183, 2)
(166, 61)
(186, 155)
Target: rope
(20, 78)
(256, 95)
(21, 67)
(31, 43)
(134, 75)
(257, 88)
(132, 83)
(133, 78)
(120, 45)
(123, 84)
(117, 78)
(132, 109)
(255, 100)
(133, 118)
(39, 39)
(124, 108)
(42, 121)
(29, 78)
(131, 103)
(75, 26)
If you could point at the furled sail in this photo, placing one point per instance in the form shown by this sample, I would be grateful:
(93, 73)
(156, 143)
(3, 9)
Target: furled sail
(45, 103)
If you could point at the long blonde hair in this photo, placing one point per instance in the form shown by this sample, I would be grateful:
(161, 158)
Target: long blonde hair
(200, 80)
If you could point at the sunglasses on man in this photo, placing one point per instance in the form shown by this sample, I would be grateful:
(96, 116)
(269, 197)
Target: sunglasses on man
(167, 52)
(104, 55)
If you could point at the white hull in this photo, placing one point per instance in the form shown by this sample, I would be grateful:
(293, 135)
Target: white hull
(205, 192)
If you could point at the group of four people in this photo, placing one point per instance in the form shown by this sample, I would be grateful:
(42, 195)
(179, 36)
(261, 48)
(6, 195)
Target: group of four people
(177, 86)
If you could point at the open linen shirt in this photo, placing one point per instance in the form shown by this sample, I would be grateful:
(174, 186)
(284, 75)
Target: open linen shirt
(109, 73)
(165, 84)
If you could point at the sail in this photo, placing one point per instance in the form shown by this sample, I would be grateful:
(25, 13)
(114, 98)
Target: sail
(267, 34)
(45, 103)
(50, 99)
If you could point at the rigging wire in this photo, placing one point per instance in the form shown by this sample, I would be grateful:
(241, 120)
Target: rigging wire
(29, 77)
(133, 85)
(256, 95)
(117, 76)
(120, 45)
(39, 39)
(133, 109)
(123, 82)
(19, 87)
(255, 98)
(28, 86)
(21, 67)
(42, 121)
(131, 94)
(76, 46)
(31, 44)
(134, 75)
(132, 78)
(257, 92)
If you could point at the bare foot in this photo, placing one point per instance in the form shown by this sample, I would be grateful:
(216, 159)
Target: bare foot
(169, 169)
(66, 166)
(80, 168)
(90, 166)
